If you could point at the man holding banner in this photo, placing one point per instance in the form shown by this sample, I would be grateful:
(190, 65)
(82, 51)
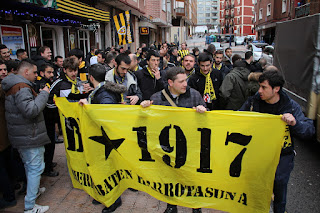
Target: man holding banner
(271, 99)
(105, 92)
(177, 94)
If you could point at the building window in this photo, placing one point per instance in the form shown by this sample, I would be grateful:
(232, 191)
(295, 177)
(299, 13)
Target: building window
(238, 10)
(238, 20)
(239, 2)
(268, 9)
(164, 5)
(260, 13)
(284, 6)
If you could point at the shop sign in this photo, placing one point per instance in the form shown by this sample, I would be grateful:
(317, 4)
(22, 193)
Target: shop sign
(144, 30)
(91, 27)
(12, 37)
(42, 3)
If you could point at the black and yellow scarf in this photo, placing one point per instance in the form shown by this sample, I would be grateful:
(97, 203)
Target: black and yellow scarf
(209, 94)
(74, 88)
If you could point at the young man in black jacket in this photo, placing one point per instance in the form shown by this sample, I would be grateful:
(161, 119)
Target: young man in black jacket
(207, 81)
(150, 78)
(45, 78)
(105, 92)
(273, 100)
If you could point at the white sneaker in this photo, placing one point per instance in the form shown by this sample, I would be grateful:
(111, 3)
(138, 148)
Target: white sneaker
(37, 209)
(41, 190)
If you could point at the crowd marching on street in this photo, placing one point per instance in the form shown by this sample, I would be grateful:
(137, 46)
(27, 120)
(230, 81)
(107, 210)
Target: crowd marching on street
(166, 75)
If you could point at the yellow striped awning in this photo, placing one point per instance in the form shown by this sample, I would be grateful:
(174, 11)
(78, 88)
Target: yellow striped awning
(79, 9)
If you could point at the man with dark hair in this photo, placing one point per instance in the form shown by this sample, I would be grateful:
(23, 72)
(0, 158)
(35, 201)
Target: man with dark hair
(188, 63)
(120, 74)
(207, 81)
(150, 78)
(236, 57)
(82, 69)
(45, 78)
(233, 91)
(21, 54)
(110, 60)
(227, 57)
(44, 56)
(218, 64)
(174, 56)
(177, 94)
(105, 92)
(69, 85)
(27, 127)
(12, 66)
(58, 66)
(273, 100)
(248, 58)
(4, 53)
(211, 50)
(101, 59)
(143, 56)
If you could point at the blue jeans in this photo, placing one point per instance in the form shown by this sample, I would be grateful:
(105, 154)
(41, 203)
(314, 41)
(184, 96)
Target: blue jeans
(281, 180)
(33, 161)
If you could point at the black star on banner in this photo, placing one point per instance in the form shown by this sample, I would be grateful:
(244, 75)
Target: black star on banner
(109, 144)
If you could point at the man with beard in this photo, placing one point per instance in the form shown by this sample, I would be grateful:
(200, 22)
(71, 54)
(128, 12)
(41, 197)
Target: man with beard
(4, 53)
(120, 74)
(45, 78)
(207, 81)
(57, 65)
(188, 65)
(227, 57)
(218, 65)
(150, 79)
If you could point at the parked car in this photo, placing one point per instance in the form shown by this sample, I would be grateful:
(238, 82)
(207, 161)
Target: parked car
(217, 45)
(239, 40)
(257, 51)
(227, 38)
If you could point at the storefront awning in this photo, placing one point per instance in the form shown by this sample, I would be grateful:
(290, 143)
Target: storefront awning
(82, 10)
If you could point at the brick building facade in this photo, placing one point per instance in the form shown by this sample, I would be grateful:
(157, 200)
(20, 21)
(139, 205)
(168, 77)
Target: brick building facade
(236, 17)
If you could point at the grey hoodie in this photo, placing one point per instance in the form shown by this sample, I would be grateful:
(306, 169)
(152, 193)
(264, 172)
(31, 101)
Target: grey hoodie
(25, 121)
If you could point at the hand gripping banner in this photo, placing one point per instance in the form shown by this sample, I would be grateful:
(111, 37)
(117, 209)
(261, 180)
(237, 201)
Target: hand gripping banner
(223, 160)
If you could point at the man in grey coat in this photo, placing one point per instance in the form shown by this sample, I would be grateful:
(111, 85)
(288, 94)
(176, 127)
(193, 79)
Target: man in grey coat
(26, 128)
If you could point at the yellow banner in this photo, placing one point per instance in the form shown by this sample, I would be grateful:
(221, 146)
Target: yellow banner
(223, 160)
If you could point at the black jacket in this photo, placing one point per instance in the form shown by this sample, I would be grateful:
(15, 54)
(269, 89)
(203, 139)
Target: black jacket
(224, 70)
(149, 85)
(109, 93)
(304, 127)
(197, 81)
(39, 60)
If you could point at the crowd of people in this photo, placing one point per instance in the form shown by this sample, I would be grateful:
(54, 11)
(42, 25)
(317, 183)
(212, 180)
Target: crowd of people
(163, 75)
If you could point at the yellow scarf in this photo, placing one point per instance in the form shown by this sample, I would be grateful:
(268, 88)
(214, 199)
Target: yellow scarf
(209, 94)
(218, 68)
(74, 88)
(150, 72)
(122, 79)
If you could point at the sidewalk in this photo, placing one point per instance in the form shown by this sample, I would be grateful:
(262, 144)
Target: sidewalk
(62, 197)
